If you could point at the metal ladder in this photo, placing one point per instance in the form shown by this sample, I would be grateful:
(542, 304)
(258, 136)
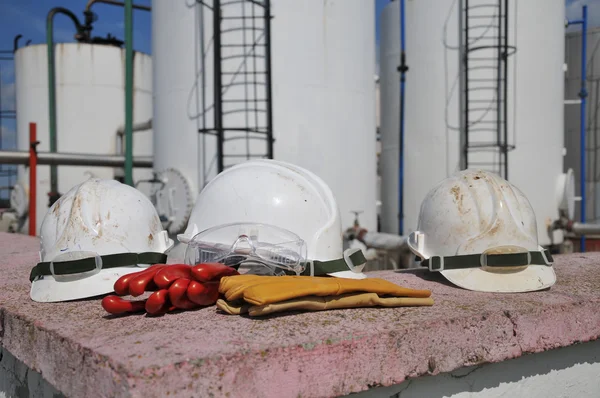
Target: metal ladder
(484, 39)
(243, 121)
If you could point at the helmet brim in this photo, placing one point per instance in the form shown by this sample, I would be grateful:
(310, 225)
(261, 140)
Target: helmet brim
(532, 278)
(49, 290)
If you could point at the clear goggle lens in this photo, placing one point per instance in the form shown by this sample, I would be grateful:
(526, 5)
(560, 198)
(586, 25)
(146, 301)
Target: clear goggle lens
(264, 249)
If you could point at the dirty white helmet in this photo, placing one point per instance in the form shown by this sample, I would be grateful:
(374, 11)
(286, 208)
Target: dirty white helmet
(272, 214)
(95, 233)
(480, 232)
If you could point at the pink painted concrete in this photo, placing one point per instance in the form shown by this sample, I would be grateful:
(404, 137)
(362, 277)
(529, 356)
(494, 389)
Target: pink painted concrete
(83, 352)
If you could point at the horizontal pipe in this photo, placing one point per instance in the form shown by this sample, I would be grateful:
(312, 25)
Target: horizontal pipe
(72, 159)
(376, 240)
(579, 228)
(383, 241)
(116, 3)
(136, 127)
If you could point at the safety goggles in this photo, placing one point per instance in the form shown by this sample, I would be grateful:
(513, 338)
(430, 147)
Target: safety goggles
(264, 249)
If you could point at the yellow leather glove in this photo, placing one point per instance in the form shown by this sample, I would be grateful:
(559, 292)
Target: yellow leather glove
(317, 303)
(262, 290)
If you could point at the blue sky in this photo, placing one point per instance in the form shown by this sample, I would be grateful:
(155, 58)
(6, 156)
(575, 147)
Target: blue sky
(28, 17)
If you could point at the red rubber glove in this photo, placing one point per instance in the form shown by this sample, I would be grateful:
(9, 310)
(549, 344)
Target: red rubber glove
(177, 286)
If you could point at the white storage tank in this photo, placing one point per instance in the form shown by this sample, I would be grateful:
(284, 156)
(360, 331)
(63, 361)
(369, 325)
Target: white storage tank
(433, 102)
(323, 63)
(90, 108)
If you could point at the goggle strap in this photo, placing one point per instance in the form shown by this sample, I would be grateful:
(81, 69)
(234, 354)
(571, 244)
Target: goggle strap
(321, 268)
(89, 263)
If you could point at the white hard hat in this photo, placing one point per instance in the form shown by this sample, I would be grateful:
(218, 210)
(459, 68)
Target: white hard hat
(480, 232)
(95, 233)
(274, 203)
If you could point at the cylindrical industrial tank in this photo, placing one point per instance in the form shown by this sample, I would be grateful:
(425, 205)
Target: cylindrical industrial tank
(90, 109)
(433, 103)
(323, 93)
(324, 97)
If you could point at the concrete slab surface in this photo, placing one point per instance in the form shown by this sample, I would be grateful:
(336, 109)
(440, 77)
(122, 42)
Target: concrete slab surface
(82, 351)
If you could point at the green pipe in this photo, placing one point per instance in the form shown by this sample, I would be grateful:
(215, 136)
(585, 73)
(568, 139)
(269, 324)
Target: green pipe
(52, 85)
(129, 92)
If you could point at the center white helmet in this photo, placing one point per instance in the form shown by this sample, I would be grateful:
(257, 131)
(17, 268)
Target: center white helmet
(95, 233)
(480, 232)
(274, 213)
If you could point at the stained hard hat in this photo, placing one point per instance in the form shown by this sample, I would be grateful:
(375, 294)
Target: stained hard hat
(480, 232)
(95, 233)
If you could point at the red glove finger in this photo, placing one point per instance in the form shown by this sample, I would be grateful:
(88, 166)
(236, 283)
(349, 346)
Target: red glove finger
(166, 276)
(121, 286)
(116, 305)
(158, 302)
(206, 293)
(144, 282)
(178, 296)
(206, 272)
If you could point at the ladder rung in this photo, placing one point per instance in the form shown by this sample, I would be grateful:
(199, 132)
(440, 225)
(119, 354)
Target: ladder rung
(483, 16)
(243, 73)
(243, 101)
(244, 111)
(489, 109)
(485, 100)
(484, 80)
(481, 6)
(480, 130)
(242, 45)
(470, 27)
(244, 155)
(244, 17)
(481, 88)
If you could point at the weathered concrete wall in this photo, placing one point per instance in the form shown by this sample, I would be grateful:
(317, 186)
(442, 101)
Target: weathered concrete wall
(572, 371)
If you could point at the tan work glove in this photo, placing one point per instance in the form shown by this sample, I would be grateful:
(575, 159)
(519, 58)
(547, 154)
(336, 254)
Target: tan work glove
(262, 295)
(262, 290)
(317, 303)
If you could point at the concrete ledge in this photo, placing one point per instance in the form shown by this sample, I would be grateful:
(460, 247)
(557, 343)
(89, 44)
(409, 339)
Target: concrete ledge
(82, 351)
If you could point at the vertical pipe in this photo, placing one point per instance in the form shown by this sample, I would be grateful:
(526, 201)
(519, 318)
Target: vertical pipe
(1, 113)
(402, 68)
(582, 135)
(465, 59)
(499, 83)
(269, 78)
(505, 91)
(217, 78)
(51, 100)
(32, 178)
(461, 84)
(129, 92)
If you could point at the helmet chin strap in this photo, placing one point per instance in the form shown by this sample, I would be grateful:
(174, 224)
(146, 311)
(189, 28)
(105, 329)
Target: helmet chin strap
(89, 264)
(441, 263)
